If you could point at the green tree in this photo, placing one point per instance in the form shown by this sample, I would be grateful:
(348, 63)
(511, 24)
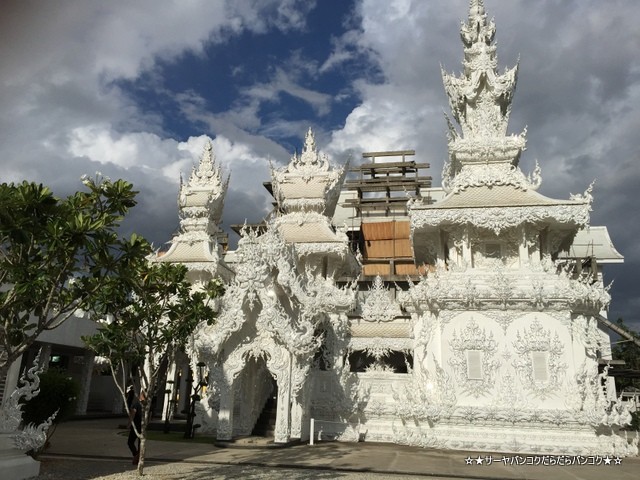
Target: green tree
(630, 353)
(151, 311)
(55, 254)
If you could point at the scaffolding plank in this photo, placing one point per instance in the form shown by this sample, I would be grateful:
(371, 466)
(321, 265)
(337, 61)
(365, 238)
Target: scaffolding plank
(390, 153)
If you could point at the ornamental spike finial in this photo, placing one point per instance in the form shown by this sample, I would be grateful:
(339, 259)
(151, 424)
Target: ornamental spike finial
(476, 7)
(309, 142)
(480, 99)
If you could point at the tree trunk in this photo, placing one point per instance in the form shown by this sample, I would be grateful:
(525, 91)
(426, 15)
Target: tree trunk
(143, 447)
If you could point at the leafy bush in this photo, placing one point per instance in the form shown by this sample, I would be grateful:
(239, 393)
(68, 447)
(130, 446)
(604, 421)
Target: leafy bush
(58, 391)
(635, 421)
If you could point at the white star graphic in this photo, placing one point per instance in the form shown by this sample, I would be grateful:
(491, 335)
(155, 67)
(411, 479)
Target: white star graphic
(479, 460)
(617, 461)
(469, 460)
(607, 460)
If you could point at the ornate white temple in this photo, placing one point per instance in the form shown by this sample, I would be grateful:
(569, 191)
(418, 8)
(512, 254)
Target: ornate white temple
(495, 347)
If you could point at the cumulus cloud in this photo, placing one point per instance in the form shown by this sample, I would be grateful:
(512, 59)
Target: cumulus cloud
(64, 110)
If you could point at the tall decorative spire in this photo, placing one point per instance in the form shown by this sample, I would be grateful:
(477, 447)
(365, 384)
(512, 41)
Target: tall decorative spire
(201, 199)
(206, 173)
(480, 101)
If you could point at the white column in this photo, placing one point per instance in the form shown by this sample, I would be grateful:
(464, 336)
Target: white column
(45, 356)
(170, 386)
(296, 416)
(283, 419)
(184, 394)
(11, 382)
(85, 383)
(523, 248)
(225, 415)
(300, 411)
(467, 254)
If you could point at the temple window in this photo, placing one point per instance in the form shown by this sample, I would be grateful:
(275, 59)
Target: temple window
(474, 364)
(539, 364)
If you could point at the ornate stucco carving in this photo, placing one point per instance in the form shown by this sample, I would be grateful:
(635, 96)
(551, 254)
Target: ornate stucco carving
(537, 339)
(379, 306)
(539, 402)
(498, 219)
(495, 298)
(472, 337)
(480, 100)
(504, 289)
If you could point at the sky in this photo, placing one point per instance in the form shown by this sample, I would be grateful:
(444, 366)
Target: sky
(134, 89)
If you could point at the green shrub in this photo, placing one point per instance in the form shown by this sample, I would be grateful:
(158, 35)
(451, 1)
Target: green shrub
(635, 420)
(59, 392)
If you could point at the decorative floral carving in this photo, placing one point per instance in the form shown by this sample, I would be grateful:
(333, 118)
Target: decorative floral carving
(537, 339)
(310, 168)
(380, 347)
(472, 337)
(504, 289)
(430, 396)
(498, 219)
(378, 306)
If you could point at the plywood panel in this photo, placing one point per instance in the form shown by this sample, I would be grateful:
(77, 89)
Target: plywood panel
(410, 269)
(376, 269)
(402, 248)
(402, 229)
(377, 230)
(378, 249)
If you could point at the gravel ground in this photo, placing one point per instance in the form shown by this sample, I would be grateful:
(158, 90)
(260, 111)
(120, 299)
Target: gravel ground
(55, 468)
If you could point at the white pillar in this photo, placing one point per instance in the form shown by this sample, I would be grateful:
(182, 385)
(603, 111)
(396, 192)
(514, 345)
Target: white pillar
(296, 416)
(225, 415)
(300, 412)
(523, 248)
(184, 394)
(283, 419)
(45, 356)
(170, 386)
(467, 254)
(85, 383)
(11, 381)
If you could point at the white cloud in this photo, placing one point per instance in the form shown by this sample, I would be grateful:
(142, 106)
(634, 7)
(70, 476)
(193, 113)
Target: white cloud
(61, 113)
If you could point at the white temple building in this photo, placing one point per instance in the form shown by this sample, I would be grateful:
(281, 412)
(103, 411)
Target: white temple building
(481, 332)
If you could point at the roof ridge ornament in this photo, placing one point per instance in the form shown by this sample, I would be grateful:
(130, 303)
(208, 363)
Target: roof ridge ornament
(310, 162)
(207, 171)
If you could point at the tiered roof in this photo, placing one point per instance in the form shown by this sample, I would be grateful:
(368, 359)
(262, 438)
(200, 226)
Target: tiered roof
(200, 204)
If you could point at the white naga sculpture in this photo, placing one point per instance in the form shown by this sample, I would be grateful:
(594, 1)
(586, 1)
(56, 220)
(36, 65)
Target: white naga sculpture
(15, 440)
